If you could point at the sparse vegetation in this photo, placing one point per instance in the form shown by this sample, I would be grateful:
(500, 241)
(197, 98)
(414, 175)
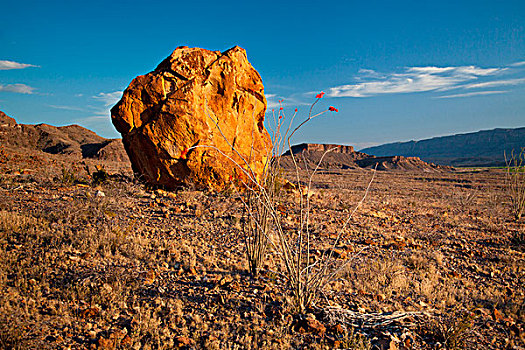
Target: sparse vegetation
(140, 268)
(68, 176)
(256, 228)
(516, 183)
(450, 331)
(306, 273)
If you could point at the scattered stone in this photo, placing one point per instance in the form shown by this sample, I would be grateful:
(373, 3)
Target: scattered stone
(105, 344)
(126, 341)
(149, 277)
(308, 324)
(387, 344)
(90, 312)
(181, 341)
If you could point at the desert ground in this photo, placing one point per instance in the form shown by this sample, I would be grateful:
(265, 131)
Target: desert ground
(432, 259)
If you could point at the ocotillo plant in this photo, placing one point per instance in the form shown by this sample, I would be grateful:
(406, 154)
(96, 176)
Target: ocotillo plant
(264, 225)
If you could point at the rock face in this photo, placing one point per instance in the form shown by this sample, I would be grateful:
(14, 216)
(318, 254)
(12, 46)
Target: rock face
(165, 113)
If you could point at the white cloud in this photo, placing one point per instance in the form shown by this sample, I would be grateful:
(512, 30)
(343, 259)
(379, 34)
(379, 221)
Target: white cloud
(361, 145)
(67, 108)
(518, 64)
(108, 98)
(92, 119)
(292, 101)
(369, 73)
(271, 101)
(17, 88)
(412, 79)
(473, 71)
(7, 65)
(430, 70)
(469, 94)
(495, 83)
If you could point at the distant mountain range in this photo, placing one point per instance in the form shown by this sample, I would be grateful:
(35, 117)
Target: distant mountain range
(482, 148)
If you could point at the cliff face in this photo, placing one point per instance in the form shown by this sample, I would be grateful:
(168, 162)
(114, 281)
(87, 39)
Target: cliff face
(483, 148)
(316, 147)
(344, 157)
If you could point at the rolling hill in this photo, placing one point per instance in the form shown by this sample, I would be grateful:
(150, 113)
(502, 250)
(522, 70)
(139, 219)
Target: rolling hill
(72, 140)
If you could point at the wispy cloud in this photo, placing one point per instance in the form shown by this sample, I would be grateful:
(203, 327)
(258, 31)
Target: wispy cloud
(518, 64)
(67, 108)
(369, 73)
(7, 65)
(272, 101)
(469, 94)
(462, 71)
(412, 79)
(17, 88)
(294, 100)
(361, 145)
(91, 119)
(495, 83)
(108, 98)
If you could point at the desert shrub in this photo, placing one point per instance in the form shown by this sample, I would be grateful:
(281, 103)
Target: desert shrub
(256, 226)
(449, 331)
(11, 334)
(14, 222)
(353, 340)
(518, 239)
(306, 272)
(99, 176)
(67, 176)
(515, 182)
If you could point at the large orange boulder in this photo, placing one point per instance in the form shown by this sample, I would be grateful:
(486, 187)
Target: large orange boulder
(195, 119)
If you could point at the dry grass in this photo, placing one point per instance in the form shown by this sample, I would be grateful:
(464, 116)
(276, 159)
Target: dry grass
(515, 182)
(150, 270)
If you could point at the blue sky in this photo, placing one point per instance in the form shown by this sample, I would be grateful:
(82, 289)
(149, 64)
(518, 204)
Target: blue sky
(396, 70)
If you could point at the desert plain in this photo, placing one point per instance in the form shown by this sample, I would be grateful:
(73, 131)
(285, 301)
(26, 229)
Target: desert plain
(431, 259)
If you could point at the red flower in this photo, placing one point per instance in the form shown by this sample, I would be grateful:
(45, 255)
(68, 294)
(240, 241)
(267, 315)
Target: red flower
(183, 153)
(320, 95)
(280, 117)
(333, 109)
(296, 110)
(281, 108)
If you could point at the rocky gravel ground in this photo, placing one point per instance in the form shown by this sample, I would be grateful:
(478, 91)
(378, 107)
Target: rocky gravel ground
(91, 259)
